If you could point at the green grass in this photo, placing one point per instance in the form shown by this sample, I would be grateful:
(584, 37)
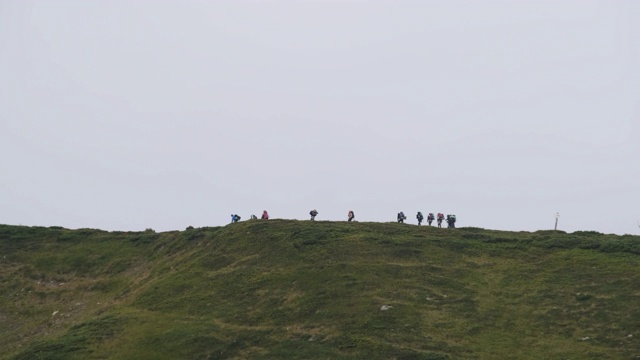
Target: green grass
(314, 290)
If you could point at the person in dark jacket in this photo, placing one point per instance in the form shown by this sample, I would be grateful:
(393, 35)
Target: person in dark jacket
(401, 217)
(313, 214)
(420, 218)
(451, 220)
(351, 215)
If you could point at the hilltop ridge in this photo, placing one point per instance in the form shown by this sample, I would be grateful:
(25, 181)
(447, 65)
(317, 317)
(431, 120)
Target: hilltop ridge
(303, 289)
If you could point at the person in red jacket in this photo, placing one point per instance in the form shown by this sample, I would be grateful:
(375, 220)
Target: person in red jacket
(265, 215)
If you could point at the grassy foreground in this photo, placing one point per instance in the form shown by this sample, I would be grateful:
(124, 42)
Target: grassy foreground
(282, 289)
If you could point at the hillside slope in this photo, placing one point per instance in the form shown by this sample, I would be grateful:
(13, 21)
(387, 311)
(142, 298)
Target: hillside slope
(307, 290)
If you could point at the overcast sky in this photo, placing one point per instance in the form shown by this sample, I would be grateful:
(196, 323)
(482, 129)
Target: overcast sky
(127, 115)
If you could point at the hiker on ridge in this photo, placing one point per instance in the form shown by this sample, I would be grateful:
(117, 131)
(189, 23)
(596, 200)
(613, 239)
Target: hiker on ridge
(440, 218)
(420, 218)
(451, 220)
(430, 218)
(235, 218)
(351, 215)
(313, 214)
(265, 215)
(401, 217)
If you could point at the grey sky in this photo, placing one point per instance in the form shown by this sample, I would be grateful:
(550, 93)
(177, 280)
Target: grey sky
(126, 115)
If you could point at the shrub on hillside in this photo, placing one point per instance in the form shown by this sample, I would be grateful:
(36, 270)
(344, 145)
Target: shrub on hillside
(587, 233)
(472, 229)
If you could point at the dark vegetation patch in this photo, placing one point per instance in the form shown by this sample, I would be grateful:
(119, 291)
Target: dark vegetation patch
(75, 342)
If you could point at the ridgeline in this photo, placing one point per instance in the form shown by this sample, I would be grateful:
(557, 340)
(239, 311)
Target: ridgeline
(286, 289)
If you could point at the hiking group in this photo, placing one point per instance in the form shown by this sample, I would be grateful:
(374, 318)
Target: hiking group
(451, 219)
(235, 217)
(350, 215)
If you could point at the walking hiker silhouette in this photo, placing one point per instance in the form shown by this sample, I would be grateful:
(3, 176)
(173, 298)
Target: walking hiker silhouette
(451, 220)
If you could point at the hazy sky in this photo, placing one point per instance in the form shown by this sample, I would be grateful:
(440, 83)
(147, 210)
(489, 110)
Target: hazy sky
(126, 115)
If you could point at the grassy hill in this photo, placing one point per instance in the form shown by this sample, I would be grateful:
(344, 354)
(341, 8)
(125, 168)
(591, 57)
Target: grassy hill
(317, 290)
